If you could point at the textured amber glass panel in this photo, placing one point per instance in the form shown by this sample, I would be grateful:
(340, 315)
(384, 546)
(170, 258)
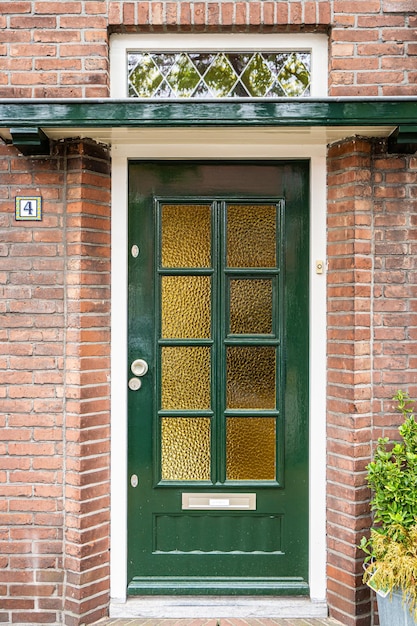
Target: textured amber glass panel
(186, 235)
(186, 307)
(185, 377)
(185, 448)
(251, 306)
(250, 377)
(251, 235)
(250, 448)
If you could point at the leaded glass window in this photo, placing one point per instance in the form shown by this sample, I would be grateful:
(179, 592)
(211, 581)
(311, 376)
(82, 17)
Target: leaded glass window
(218, 74)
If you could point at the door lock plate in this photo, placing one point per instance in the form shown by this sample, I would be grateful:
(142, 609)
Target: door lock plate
(134, 384)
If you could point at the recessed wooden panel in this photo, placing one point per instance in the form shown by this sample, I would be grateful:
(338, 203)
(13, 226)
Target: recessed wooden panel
(217, 533)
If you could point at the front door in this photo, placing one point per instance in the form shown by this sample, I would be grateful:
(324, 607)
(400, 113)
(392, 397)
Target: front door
(218, 378)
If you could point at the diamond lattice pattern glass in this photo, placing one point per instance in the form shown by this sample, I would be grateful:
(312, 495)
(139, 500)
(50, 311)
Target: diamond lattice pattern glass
(218, 74)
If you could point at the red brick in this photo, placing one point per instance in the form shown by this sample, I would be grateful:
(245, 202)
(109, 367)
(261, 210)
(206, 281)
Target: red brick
(115, 13)
(128, 13)
(310, 13)
(33, 22)
(401, 6)
(57, 8)
(357, 6)
(16, 7)
(325, 12)
(268, 13)
(282, 11)
(296, 12)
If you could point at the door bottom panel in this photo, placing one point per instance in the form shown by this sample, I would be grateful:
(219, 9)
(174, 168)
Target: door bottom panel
(183, 585)
(213, 534)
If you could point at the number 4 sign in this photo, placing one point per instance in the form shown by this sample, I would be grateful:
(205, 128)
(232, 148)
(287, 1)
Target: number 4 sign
(28, 208)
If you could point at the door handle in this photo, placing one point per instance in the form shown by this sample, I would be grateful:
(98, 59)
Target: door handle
(139, 367)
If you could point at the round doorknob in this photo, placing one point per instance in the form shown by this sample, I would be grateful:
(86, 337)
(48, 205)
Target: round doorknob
(139, 367)
(134, 384)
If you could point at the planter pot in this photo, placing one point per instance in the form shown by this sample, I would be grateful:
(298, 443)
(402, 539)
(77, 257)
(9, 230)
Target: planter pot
(393, 612)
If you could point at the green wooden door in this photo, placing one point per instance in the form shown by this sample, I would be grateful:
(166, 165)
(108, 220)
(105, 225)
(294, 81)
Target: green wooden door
(218, 378)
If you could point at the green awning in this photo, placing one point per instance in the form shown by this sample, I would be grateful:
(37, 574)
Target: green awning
(30, 122)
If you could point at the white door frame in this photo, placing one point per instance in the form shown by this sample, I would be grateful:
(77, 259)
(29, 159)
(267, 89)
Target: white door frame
(185, 144)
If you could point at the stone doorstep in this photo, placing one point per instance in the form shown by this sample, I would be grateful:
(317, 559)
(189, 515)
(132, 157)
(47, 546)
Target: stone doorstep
(218, 622)
(217, 607)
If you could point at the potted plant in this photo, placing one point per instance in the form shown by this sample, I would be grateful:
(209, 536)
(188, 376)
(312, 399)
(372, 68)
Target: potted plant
(391, 548)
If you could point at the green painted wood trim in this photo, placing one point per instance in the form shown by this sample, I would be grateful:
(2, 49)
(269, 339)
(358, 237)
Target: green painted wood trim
(282, 112)
(30, 140)
(403, 139)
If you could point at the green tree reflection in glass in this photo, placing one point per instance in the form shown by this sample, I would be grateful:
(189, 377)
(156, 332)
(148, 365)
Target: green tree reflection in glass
(294, 77)
(257, 76)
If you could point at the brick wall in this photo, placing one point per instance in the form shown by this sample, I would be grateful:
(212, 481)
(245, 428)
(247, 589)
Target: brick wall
(373, 48)
(60, 49)
(54, 369)
(395, 282)
(32, 383)
(372, 202)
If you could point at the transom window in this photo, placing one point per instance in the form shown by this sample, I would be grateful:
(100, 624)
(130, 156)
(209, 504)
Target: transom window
(174, 66)
(218, 74)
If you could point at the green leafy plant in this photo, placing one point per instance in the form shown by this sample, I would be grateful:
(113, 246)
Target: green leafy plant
(391, 549)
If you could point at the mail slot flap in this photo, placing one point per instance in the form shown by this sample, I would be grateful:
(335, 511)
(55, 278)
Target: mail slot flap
(219, 501)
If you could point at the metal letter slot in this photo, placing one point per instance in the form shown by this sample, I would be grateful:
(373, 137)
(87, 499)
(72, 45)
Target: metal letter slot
(219, 501)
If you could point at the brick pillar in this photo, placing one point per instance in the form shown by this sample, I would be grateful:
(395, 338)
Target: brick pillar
(87, 373)
(349, 415)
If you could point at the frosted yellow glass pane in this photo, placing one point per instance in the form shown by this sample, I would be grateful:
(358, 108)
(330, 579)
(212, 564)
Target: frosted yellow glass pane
(185, 377)
(250, 377)
(186, 310)
(251, 306)
(250, 448)
(186, 235)
(185, 448)
(251, 235)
